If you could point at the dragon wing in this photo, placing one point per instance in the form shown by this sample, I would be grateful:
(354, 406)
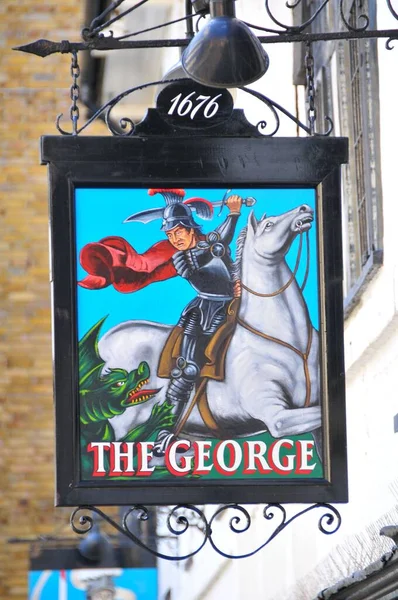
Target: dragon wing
(90, 361)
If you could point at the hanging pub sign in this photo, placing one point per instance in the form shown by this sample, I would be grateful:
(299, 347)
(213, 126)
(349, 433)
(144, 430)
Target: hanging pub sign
(197, 308)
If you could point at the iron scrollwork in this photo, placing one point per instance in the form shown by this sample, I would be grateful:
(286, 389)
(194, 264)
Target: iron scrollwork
(351, 28)
(183, 518)
(320, 8)
(94, 37)
(98, 36)
(275, 109)
(127, 126)
(177, 522)
(298, 28)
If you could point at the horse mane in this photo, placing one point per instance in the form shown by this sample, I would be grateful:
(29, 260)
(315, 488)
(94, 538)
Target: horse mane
(237, 264)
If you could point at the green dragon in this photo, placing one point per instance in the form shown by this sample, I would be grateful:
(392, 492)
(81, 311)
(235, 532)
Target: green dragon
(105, 395)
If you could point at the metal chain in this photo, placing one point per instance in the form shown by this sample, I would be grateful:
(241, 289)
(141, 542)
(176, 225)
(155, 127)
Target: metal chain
(309, 69)
(74, 92)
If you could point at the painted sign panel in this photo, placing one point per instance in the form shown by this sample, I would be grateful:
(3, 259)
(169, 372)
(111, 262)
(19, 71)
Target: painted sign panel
(77, 584)
(198, 324)
(198, 333)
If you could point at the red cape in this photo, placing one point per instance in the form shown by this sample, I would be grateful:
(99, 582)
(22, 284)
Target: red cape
(113, 261)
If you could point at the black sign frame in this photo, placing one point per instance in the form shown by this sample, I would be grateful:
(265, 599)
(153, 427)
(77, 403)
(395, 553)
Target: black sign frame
(223, 162)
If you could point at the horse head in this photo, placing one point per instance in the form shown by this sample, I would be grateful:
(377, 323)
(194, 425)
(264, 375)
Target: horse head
(271, 237)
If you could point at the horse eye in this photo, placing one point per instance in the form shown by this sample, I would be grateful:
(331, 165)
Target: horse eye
(268, 225)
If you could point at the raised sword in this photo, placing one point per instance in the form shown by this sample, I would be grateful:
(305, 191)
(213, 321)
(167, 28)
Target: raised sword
(146, 216)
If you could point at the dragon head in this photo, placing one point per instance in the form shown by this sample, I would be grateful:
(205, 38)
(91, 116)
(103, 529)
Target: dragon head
(126, 389)
(105, 395)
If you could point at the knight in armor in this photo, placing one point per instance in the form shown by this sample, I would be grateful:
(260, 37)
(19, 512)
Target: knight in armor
(203, 260)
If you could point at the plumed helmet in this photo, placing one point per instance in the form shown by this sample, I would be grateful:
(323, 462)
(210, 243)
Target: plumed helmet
(178, 214)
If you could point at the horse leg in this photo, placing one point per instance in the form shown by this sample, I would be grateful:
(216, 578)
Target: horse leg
(282, 421)
(263, 396)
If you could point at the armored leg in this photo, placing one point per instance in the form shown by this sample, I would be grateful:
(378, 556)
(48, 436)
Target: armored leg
(182, 378)
(186, 371)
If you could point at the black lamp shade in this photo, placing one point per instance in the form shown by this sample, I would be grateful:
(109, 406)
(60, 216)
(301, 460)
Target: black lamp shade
(225, 53)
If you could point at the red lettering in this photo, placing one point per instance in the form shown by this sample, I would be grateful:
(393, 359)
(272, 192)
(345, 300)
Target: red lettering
(184, 466)
(305, 450)
(98, 449)
(234, 460)
(121, 459)
(201, 453)
(144, 456)
(285, 464)
(254, 459)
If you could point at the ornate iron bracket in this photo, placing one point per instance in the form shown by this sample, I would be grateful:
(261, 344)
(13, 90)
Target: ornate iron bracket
(128, 128)
(353, 27)
(184, 518)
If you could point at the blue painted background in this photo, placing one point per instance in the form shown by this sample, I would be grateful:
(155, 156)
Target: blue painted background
(101, 212)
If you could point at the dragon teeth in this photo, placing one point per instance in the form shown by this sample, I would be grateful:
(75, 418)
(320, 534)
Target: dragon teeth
(142, 398)
(140, 385)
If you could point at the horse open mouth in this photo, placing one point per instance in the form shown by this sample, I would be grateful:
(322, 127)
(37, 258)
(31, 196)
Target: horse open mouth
(138, 395)
(304, 223)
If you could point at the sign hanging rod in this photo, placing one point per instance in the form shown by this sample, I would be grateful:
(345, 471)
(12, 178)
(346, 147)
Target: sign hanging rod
(46, 47)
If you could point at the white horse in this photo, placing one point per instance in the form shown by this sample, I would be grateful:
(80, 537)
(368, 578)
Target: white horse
(272, 364)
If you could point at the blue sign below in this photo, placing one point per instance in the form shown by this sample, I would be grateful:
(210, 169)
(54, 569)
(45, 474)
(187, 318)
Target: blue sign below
(115, 584)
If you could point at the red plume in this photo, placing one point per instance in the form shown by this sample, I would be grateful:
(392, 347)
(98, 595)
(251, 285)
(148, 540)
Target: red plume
(152, 192)
(202, 207)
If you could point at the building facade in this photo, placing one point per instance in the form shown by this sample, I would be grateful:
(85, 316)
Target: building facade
(33, 91)
(356, 87)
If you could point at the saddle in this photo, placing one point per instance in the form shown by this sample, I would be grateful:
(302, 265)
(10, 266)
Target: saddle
(214, 368)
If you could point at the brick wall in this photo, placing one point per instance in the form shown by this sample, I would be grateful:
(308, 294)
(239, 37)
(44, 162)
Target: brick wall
(32, 92)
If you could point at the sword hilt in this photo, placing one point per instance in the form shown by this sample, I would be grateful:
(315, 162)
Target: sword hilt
(249, 201)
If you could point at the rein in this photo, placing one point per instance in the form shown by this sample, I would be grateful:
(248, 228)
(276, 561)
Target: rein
(286, 285)
(303, 355)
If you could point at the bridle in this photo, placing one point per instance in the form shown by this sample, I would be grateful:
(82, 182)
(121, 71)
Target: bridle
(303, 355)
(293, 275)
